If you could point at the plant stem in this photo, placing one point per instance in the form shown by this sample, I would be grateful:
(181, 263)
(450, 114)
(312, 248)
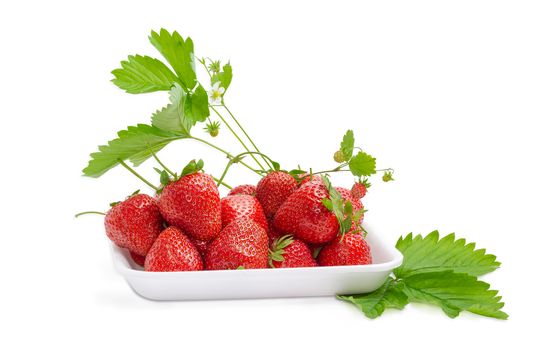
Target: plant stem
(237, 137)
(162, 164)
(244, 132)
(136, 174)
(237, 159)
(226, 153)
(89, 212)
(222, 183)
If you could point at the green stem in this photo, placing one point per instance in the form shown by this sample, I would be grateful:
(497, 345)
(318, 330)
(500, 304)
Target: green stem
(237, 137)
(136, 174)
(89, 212)
(162, 164)
(237, 159)
(335, 170)
(222, 183)
(226, 153)
(244, 132)
(224, 172)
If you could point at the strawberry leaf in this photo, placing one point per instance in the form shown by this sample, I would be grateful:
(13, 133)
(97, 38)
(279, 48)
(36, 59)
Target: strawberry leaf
(196, 106)
(362, 164)
(224, 77)
(433, 254)
(137, 144)
(373, 304)
(141, 74)
(347, 145)
(179, 53)
(454, 292)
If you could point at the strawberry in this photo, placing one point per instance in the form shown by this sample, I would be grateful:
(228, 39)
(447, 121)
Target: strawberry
(201, 246)
(305, 217)
(359, 189)
(243, 243)
(192, 203)
(273, 189)
(138, 259)
(173, 251)
(242, 206)
(290, 252)
(243, 189)
(134, 223)
(273, 234)
(351, 249)
(357, 204)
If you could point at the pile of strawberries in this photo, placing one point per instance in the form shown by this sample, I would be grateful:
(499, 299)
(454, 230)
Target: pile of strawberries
(282, 222)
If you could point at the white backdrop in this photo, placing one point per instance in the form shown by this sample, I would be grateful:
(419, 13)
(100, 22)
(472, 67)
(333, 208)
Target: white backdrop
(447, 93)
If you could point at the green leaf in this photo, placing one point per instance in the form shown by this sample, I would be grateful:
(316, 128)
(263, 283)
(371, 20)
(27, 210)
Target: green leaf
(141, 74)
(135, 144)
(362, 164)
(179, 53)
(347, 145)
(389, 295)
(196, 106)
(454, 292)
(432, 254)
(177, 117)
(224, 77)
(164, 178)
(192, 167)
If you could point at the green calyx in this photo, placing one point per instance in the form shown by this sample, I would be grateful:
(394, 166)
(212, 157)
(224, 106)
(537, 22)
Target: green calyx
(193, 167)
(387, 176)
(278, 249)
(212, 128)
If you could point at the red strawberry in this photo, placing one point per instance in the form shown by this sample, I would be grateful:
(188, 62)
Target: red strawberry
(201, 246)
(242, 243)
(347, 196)
(273, 234)
(351, 249)
(305, 217)
(308, 179)
(290, 252)
(243, 189)
(134, 223)
(359, 189)
(192, 203)
(242, 206)
(273, 189)
(138, 259)
(173, 251)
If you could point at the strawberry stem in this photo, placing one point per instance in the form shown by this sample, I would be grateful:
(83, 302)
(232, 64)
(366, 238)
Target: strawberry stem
(245, 133)
(89, 212)
(236, 136)
(237, 159)
(219, 182)
(136, 174)
(162, 164)
(227, 154)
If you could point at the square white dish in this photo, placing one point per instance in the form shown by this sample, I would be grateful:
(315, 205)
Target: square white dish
(261, 283)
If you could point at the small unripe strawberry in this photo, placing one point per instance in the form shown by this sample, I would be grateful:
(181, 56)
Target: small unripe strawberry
(339, 157)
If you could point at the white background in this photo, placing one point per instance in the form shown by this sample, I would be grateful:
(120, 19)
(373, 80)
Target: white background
(447, 93)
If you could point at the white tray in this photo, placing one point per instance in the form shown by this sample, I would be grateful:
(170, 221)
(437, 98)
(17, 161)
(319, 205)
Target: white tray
(262, 283)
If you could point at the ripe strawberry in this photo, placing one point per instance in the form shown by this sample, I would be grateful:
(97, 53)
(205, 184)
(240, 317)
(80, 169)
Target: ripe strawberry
(243, 189)
(306, 179)
(359, 189)
(351, 249)
(192, 204)
(347, 196)
(201, 246)
(242, 206)
(173, 251)
(138, 259)
(273, 189)
(242, 243)
(134, 223)
(305, 217)
(273, 234)
(290, 252)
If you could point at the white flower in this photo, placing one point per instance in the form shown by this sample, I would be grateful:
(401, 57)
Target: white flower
(215, 95)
